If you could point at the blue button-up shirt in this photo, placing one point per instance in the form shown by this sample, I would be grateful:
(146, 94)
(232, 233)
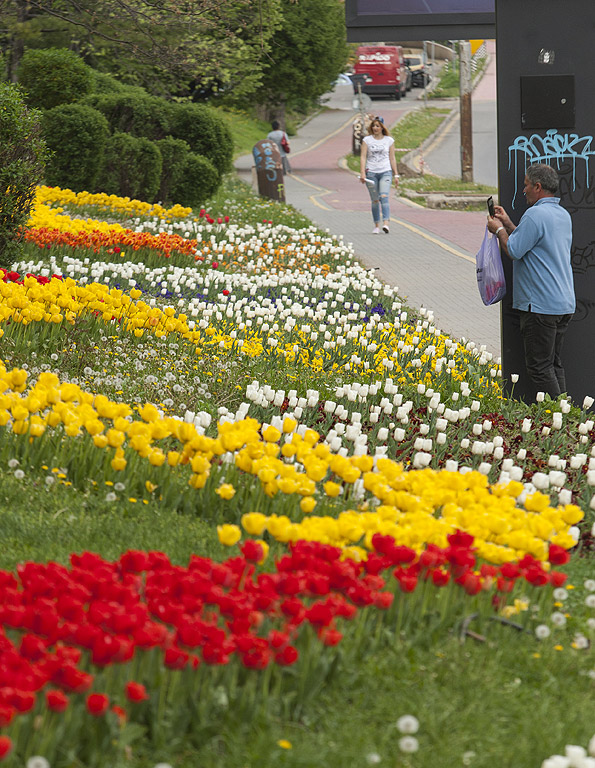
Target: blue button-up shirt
(540, 248)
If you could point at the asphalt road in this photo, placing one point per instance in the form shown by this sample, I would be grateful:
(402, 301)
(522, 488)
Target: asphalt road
(444, 157)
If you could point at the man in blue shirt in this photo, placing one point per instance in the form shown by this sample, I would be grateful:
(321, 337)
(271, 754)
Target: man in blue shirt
(543, 286)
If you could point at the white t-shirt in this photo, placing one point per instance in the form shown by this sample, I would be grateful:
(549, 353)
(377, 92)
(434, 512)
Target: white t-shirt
(378, 159)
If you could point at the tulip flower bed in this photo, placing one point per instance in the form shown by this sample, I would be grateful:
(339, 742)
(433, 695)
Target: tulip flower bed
(336, 490)
(100, 647)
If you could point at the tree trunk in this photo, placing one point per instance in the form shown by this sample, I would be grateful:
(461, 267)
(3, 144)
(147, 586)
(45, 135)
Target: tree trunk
(16, 46)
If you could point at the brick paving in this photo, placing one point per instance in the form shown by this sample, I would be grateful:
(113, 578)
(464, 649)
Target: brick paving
(429, 254)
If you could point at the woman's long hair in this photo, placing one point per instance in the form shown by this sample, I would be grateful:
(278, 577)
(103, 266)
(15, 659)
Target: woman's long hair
(382, 125)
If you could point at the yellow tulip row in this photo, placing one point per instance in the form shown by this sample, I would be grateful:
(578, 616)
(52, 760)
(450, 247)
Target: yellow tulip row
(47, 196)
(415, 507)
(65, 300)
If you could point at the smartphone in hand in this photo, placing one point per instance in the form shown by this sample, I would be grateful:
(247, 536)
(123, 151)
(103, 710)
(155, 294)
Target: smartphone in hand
(491, 210)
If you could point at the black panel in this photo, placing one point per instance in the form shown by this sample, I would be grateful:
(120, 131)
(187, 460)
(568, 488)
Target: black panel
(401, 20)
(534, 38)
(547, 101)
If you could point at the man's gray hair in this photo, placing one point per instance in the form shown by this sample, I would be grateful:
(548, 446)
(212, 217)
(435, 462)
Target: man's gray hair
(545, 175)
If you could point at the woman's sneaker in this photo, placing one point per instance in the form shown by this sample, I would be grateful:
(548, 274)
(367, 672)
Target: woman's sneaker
(375, 231)
(385, 229)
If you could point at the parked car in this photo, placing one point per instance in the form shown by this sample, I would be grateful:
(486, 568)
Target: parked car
(343, 79)
(381, 71)
(420, 76)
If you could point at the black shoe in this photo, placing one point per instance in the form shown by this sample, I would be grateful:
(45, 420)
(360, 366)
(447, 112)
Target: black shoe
(385, 229)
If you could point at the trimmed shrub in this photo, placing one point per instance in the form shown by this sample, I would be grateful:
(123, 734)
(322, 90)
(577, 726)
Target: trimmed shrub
(22, 157)
(104, 83)
(198, 182)
(77, 135)
(144, 115)
(53, 76)
(205, 131)
(137, 113)
(174, 153)
(131, 167)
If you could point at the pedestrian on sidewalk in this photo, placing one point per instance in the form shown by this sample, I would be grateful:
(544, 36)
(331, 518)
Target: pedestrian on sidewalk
(378, 167)
(281, 140)
(543, 286)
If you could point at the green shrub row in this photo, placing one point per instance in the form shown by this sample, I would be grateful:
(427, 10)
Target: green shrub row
(112, 138)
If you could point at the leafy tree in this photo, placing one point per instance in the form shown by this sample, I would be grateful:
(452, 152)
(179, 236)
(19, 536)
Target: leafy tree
(22, 159)
(168, 46)
(308, 51)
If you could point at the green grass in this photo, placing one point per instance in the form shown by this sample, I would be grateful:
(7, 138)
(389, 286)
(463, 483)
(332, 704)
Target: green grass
(416, 127)
(41, 524)
(246, 130)
(430, 183)
(448, 86)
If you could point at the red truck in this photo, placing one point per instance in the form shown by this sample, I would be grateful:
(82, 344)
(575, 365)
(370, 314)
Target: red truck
(381, 70)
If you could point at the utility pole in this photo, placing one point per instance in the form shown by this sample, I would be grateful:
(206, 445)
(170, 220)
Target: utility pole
(465, 111)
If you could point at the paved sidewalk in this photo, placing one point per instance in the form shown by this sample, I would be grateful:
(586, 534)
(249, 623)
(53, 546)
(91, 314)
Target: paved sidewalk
(429, 254)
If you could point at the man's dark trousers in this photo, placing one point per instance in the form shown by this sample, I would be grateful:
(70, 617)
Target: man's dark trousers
(543, 337)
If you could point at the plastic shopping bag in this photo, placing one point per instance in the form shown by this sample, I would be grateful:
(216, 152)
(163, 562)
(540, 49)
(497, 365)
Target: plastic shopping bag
(489, 270)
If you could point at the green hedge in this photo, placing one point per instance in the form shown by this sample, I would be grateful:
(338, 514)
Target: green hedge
(174, 153)
(77, 135)
(198, 182)
(143, 115)
(53, 76)
(139, 114)
(206, 132)
(22, 157)
(131, 167)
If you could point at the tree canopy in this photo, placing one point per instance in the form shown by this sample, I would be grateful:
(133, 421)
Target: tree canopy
(308, 51)
(167, 46)
(270, 51)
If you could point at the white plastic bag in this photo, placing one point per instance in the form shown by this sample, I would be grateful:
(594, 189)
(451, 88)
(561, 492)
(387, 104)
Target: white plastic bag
(489, 270)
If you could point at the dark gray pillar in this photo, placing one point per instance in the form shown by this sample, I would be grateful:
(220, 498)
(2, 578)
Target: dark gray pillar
(546, 114)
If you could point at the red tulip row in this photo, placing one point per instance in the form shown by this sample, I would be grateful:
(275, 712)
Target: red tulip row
(7, 276)
(55, 619)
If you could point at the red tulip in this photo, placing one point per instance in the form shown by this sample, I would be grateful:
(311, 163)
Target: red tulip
(97, 704)
(57, 701)
(5, 747)
(558, 555)
(136, 692)
(251, 549)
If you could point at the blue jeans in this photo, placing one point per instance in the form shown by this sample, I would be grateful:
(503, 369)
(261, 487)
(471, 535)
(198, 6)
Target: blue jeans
(379, 189)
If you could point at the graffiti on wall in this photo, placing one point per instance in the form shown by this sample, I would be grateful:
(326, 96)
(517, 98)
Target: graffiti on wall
(554, 148)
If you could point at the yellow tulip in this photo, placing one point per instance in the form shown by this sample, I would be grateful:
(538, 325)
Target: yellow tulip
(332, 489)
(229, 534)
(198, 481)
(254, 523)
(307, 504)
(156, 457)
(173, 458)
(226, 491)
(118, 463)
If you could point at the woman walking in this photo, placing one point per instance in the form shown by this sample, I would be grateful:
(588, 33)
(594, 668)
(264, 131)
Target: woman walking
(377, 170)
(280, 138)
